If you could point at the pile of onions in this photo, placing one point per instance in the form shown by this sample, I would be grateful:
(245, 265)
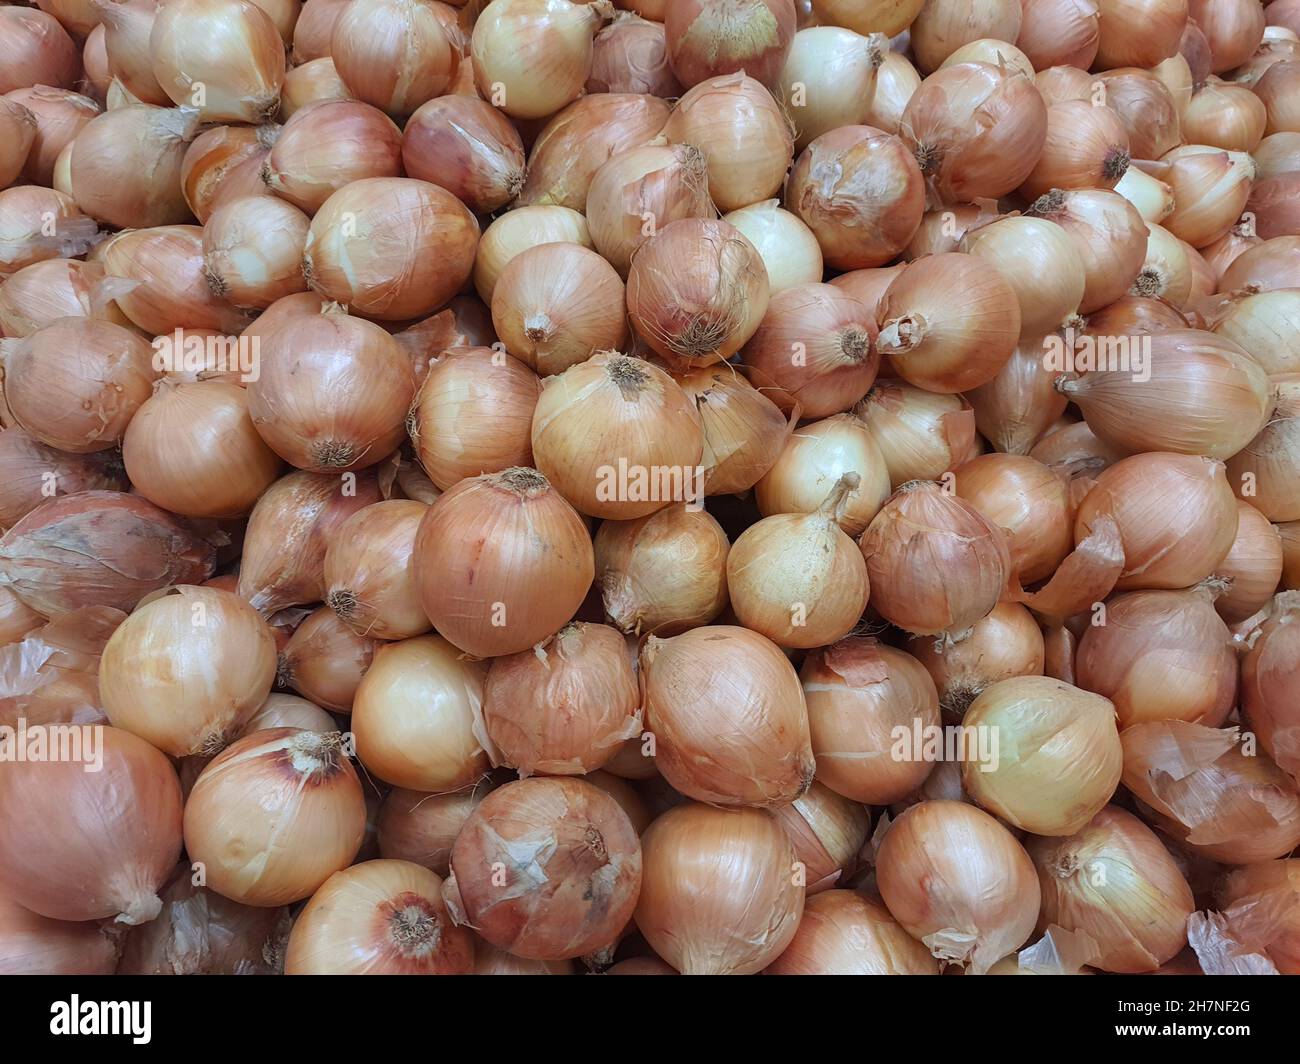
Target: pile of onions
(392, 248)
(187, 670)
(618, 438)
(37, 945)
(797, 578)
(1013, 410)
(828, 831)
(728, 716)
(959, 881)
(393, 54)
(689, 910)
(332, 391)
(1266, 468)
(1086, 147)
(1252, 568)
(829, 80)
(520, 229)
(473, 414)
(1108, 233)
(61, 857)
(936, 564)
(860, 694)
(846, 933)
(275, 815)
(744, 430)
(860, 191)
(369, 571)
(418, 827)
(743, 134)
(1114, 881)
(25, 463)
(502, 561)
(379, 918)
(325, 660)
(976, 130)
(559, 34)
(546, 868)
(99, 548)
(788, 248)
(467, 147)
(1200, 786)
(565, 707)
(919, 434)
(631, 55)
(558, 304)
(663, 573)
(1269, 697)
(1041, 264)
(1060, 33)
(949, 322)
(252, 250)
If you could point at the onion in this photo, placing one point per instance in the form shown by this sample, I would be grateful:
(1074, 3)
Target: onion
(1225, 116)
(325, 660)
(1109, 234)
(638, 190)
(618, 438)
(976, 131)
(36, 945)
(959, 881)
(829, 80)
(949, 322)
(390, 247)
(1252, 568)
(743, 134)
(557, 33)
(75, 385)
(788, 248)
(1114, 881)
(1233, 29)
(1210, 191)
(19, 127)
(222, 163)
(94, 60)
(663, 573)
(728, 717)
(869, 285)
(1273, 264)
(99, 548)
(943, 26)
(1016, 408)
(1268, 684)
(519, 230)
(1139, 32)
(289, 711)
(1272, 202)
(890, 17)
(419, 827)
(797, 578)
(502, 562)
(1278, 153)
(744, 431)
(332, 393)
(314, 30)
(919, 434)
(718, 896)
(570, 861)
(1060, 32)
(1264, 471)
(35, 50)
(845, 933)
(329, 145)
(128, 26)
(827, 831)
(992, 51)
(314, 82)
(814, 459)
(63, 857)
(275, 815)
(631, 55)
(252, 250)
(708, 38)
(28, 468)
(1041, 264)
(582, 138)
(224, 57)
(60, 115)
(467, 147)
(1029, 502)
(1086, 147)
(1146, 108)
(1245, 891)
(861, 194)
(896, 81)
(1199, 786)
(1153, 199)
(1276, 90)
(38, 224)
(1060, 84)
(393, 54)
(369, 576)
(1290, 533)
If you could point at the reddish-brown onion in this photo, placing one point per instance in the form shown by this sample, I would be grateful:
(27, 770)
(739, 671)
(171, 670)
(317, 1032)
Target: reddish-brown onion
(369, 571)
(467, 147)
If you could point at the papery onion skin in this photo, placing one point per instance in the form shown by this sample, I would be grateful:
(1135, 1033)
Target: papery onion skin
(709, 38)
(571, 864)
(1267, 881)
(26, 465)
(1271, 265)
(80, 864)
(394, 54)
(36, 50)
(324, 660)
(469, 148)
(1139, 32)
(631, 55)
(719, 895)
(1264, 324)
(828, 832)
(744, 430)
(1086, 147)
(943, 26)
(379, 918)
(896, 81)
(419, 827)
(1059, 32)
(919, 434)
(717, 741)
(1269, 687)
(846, 933)
(313, 32)
(1113, 879)
(224, 162)
(1225, 116)
(1040, 262)
(60, 115)
(1146, 108)
(369, 571)
(1252, 568)
(36, 945)
(19, 128)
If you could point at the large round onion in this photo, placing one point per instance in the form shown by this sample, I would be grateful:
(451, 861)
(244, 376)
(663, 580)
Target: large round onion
(394, 54)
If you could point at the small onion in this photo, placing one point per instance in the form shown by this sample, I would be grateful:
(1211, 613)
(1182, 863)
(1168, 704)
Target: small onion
(1086, 147)
(919, 434)
(1108, 232)
(369, 573)
(708, 38)
(828, 831)
(845, 933)
(1139, 32)
(1016, 408)
(128, 26)
(1252, 568)
(1040, 263)
(1268, 684)
(1225, 116)
(467, 147)
(896, 81)
(324, 660)
(631, 55)
(253, 250)
(1264, 471)
(1059, 32)
(393, 54)
(1029, 502)
(519, 230)
(788, 248)
(1210, 190)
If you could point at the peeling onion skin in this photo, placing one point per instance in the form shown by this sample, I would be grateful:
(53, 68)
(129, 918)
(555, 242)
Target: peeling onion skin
(1270, 683)
(846, 933)
(1270, 880)
(571, 864)
(24, 461)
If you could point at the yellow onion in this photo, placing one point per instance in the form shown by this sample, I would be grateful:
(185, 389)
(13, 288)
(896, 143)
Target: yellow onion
(1029, 502)
(1040, 263)
(959, 882)
(664, 573)
(1268, 684)
(519, 230)
(631, 55)
(797, 578)
(920, 435)
(1176, 516)
(314, 29)
(1166, 271)
(1252, 568)
(36, 945)
(719, 893)
(252, 250)
(420, 828)
(1153, 199)
(36, 50)
(812, 462)
(1139, 32)
(18, 125)
(635, 194)
(1016, 408)
(393, 54)
(993, 51)
(289, 711)
(1232, 28)
(76, 384)
(1244, 889)
(860, 191)
(889, 17)
(896, 81)
(38, 224)
(949, 322)
(546, 869)
(869, 709)
(324, 660)
(369, 575)
(556, 34)
(869, 286)
(976, 131)
(565, 707)
(469, 148)
(502, 562)
(1272, 202)
(1276, 89)
(60, 115)
(1264, 471)
(390, 247)
(828, 831)
(1114, 881)
(707, 38)
(128, 25)
(788, 248)
(1225, 116)
(829, 79)
(82, 845)
(1086, 147)
(744, 430)
(1210, 191)
(224, 57)
(1109, 234)
(936, 564)
(846, 933)
(275, 815)
(313, 82)
(222, 163)
(1059, 32)
(1060, 84)
(1202, 788)
(1273, 264)
(25, 464)
(943, 26)
(1161, 655)
(743, 134)
(728, 717)
(186, 671)
(1145, 107)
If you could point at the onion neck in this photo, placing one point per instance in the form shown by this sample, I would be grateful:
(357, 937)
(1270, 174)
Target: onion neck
(902, 334)
(833, 506)
(414, 930)
(855, 343)
(522, 481)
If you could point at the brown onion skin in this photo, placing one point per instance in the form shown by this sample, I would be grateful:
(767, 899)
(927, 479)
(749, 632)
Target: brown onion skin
(846, 933)
(1112, 256)
(418, 827)
(1269, 880)
(591, 868)
(709, 38)
(221, 158)
(314, 29)
(99, 548)
(1059, 33)
(1253, 566)
(1147, 109)
(1272, 201)
(631, 55)
(469, 148)
(60, 115)
(35, 50)
(26, 465)
(325, 660)
(36, 945)
(1233, 28)
(1270, 684)
(1273, 264)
